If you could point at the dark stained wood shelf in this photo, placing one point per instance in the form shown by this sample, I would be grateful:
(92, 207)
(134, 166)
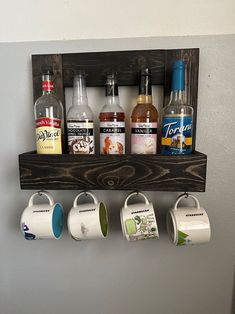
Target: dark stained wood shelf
(126, 172)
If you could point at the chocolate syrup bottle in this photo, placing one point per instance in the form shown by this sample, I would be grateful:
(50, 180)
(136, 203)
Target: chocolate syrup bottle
(80, 125)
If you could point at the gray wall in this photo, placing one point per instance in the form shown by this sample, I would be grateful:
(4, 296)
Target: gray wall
(113, 276)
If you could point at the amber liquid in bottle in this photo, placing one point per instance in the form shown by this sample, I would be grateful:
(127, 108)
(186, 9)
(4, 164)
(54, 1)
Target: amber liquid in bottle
(112, 121)
(144, 119)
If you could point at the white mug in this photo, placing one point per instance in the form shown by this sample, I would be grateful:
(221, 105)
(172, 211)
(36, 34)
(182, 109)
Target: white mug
(138, 220)
(88, 220)
(42, 221)
(188, 225)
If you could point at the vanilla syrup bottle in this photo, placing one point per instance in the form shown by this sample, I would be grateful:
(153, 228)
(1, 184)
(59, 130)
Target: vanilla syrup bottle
(177, 117)
(49, 117)
(80, 125)
(112, 121)
(144, 118)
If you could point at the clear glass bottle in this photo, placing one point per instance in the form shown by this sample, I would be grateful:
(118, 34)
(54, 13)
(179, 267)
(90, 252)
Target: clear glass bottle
(144, 118)
(112, 121)
(49, 118)
(80, 123)
(177, 116)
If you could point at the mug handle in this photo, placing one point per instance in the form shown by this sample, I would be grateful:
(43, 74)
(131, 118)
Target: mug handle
(185, 196)
(40, 193)
(136, 193)
(86, 193)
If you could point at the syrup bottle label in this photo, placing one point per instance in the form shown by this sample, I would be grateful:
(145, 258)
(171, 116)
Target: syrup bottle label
(112, 138)
(143, 138)
(176, 134)
(80, 137)
(48, 136)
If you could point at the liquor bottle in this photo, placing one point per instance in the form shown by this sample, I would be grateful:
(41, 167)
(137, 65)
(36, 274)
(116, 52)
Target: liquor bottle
(177, 116)
(112, 121)
(80, 124)
(144, 118)
(49, 118)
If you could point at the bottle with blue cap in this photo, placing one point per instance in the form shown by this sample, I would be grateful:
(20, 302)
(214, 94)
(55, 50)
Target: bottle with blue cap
(177, 117)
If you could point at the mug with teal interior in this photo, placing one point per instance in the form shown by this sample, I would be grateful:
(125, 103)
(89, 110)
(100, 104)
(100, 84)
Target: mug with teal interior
(42, 221)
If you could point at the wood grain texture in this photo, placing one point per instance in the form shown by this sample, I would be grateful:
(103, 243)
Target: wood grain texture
(130, 172)
(126, 64)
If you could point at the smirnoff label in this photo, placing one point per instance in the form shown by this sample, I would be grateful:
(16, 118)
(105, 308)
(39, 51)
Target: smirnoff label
(48, 136)
(143, 138)
(176, 134)
(80, 137)
(112, 138)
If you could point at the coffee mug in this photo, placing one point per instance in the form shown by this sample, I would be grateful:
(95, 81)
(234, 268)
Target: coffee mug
(42, 221)
(188, 225)
(88, 220)
(138, 221)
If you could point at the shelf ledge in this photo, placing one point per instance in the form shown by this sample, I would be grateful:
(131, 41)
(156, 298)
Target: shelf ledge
(113, 172)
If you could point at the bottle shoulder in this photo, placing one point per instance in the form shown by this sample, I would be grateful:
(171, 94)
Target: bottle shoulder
(177, 109)
(144, 110)
(48, 100)
(81, 112)
(111, 108)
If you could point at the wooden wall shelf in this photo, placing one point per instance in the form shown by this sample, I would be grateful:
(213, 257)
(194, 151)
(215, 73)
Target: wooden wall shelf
(128, 172)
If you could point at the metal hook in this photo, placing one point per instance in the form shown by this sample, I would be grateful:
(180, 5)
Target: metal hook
(40, 193)
(85, 192)
(186, 194)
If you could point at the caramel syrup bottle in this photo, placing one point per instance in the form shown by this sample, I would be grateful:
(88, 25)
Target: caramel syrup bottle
(112, 121)
(144, 118)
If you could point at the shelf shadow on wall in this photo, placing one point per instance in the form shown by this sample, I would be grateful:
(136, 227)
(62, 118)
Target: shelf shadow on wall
(233, 296)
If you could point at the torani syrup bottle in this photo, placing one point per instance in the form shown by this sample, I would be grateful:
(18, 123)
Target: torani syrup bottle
(112, 121)
(80, 125)
(177, 117)
(48, 112)
(144, 118)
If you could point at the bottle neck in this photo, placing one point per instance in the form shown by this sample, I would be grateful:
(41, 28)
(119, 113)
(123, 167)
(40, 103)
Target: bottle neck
(111, 91)
(177, 97)
(145, 88)
(79, 91)
(47, 85)
(112, 101)
(144, 99)
(178, 83)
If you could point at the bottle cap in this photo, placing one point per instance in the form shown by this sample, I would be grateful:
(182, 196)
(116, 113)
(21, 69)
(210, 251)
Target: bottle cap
(178, 76)
(145, 71)
(47, 70)
(145, 86)
(111, 87)
(179, 64)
